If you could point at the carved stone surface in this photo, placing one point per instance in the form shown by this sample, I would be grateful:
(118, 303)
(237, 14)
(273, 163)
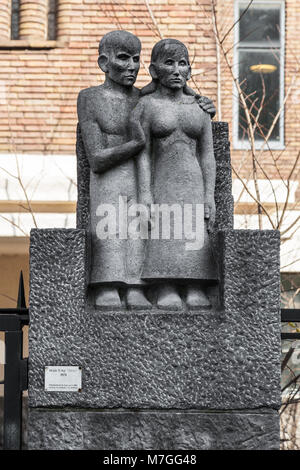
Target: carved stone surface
(223, 196)
(152, 378)
(152, 430)
(146, 146)
(57, 295)
(250, 271)
(223, 187)
(176, 167)
(83, 184)
(155, 359)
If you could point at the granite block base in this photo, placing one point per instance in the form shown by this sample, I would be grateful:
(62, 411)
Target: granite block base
(185, 371)
(153, 430)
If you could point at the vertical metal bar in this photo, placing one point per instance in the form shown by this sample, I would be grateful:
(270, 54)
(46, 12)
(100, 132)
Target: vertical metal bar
(2, 388)
(12, 391)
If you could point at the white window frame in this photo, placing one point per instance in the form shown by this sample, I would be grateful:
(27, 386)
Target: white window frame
(272, 144)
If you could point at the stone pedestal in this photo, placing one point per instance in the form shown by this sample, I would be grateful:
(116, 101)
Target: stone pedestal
(153, 379)
(146, 430)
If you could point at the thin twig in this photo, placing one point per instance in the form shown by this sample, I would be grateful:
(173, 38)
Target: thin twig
(153, 18)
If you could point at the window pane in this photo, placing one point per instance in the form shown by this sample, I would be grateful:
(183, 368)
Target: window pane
(15, 7)
(52, 19)
(259, 76)
(260, 24)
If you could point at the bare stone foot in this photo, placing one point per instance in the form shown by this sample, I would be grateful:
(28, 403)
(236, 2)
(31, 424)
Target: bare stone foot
(107, 298)
(136, 299)
(196, 298)
(168, 298)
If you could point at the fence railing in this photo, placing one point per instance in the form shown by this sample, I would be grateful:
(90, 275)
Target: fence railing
(12, 321)
(290, 315)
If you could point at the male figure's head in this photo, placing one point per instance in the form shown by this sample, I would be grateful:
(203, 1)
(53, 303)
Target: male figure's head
(119, 57)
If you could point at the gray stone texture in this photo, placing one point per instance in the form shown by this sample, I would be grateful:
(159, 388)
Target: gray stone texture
(223, 196)
(207, 359)
(170, 365)
(250, 272)
(57, 296)
(83, 184)
(152, 430)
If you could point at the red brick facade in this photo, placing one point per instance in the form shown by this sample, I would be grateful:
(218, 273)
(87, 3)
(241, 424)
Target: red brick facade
(39, 85)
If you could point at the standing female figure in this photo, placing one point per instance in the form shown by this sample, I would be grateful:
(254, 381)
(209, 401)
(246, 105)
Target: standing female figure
(177, 167)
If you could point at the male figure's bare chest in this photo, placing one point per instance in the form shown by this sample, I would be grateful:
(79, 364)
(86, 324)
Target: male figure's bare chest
(112, 114)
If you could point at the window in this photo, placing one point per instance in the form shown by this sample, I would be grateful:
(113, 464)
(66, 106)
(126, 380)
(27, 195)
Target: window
(15, 13)
(29, 21)
(259, 59)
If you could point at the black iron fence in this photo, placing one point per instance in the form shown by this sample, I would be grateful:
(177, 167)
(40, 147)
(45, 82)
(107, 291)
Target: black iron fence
(12, 321)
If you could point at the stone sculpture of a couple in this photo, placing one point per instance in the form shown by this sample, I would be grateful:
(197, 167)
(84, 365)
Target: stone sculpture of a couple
(149, 146)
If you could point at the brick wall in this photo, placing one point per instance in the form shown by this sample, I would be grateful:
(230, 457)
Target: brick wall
(38, 87)
(38, 111)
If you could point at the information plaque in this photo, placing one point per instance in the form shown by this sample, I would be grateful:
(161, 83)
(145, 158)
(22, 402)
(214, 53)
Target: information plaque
(63, 379)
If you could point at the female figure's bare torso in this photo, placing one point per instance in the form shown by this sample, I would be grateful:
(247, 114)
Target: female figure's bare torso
(175, 129)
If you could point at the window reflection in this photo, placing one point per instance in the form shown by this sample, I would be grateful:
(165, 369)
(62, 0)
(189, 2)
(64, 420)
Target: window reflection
(262, 89)
(259, 54)
(259, 24)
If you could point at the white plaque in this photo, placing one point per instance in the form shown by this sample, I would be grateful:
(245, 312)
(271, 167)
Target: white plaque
(63, 379)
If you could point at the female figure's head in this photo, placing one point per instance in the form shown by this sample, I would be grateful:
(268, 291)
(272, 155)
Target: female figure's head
(170, 66)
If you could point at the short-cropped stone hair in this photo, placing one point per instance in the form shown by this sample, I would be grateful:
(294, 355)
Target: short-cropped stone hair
(162, 47)
(115, 39)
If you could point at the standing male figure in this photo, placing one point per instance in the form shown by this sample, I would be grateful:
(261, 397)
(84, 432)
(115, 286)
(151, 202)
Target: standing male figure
(104, 115)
